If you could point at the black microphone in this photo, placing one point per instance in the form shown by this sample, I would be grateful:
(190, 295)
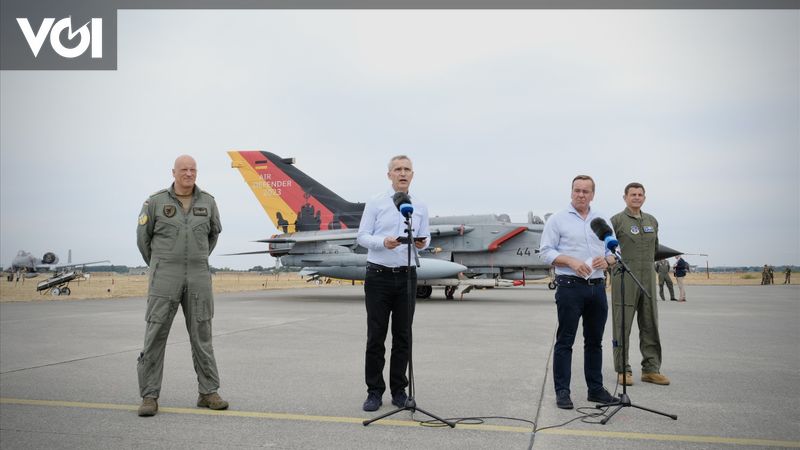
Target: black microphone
(604, 233)
(403, 204)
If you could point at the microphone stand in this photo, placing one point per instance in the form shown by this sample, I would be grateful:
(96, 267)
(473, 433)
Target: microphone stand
(411, 404)
(624, 399)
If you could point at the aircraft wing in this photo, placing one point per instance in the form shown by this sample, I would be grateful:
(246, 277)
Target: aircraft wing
(312, 236)
(71, 266)
(352, 234)
(259, 252)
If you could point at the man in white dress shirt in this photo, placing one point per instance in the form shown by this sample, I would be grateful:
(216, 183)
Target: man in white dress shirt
(580, 258)
(386, 283)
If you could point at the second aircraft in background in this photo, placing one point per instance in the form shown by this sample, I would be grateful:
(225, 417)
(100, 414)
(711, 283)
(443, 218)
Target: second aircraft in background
(318, 234)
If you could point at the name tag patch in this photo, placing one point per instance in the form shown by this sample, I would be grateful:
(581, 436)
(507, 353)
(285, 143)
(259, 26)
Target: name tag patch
(200, 211)
(648, 229)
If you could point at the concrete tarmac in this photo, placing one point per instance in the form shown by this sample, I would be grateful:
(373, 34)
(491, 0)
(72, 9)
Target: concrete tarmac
(291, 364)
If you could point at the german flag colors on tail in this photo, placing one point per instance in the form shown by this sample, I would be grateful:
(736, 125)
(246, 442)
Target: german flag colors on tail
(293, 200)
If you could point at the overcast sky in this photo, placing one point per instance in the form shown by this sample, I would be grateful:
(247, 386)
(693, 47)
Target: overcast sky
(499, 110)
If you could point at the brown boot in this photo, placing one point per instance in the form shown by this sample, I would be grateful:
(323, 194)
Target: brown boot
(212, 401)
(627, 380)
(149, 407)
(655, 378)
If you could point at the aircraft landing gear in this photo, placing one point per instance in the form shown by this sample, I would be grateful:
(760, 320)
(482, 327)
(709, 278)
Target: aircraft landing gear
(66, 291)
(552, 283)
(449, 291)
(424, 291)
(55, 292)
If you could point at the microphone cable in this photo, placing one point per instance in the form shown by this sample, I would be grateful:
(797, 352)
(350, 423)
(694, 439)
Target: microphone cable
(586, 414)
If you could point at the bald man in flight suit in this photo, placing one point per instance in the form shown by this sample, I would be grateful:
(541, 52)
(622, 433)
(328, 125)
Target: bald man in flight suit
(178, 229)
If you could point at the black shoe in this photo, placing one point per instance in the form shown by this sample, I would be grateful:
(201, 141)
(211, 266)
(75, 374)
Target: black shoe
(562, 399)
(602, 397)
(399, 399)
(673, 299)
(373, 402)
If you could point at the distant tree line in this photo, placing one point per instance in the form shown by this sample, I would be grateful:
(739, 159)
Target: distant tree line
(750, 268)
(110, 268)
(127, 269)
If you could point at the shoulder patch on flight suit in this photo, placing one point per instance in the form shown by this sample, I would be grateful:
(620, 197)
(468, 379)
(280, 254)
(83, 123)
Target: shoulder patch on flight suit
(200, 211)
(142, 219)
(634, 229)
(169, 210)
(649, 229)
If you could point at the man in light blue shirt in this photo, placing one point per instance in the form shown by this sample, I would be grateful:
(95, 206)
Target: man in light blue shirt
(580, 259)
(386, 284)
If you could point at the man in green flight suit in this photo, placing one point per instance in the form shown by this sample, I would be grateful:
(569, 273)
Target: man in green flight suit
(663, 269)
(637, 233)
(178, 229)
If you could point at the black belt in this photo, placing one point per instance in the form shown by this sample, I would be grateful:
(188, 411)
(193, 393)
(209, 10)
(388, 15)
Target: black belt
(372, 267)
(579, 280)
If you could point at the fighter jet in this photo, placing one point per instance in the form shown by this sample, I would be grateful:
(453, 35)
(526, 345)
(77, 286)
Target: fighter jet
(28, 266)
(319, 231)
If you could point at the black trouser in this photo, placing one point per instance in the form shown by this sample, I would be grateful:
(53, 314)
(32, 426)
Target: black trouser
(387, 294)
(576, 299)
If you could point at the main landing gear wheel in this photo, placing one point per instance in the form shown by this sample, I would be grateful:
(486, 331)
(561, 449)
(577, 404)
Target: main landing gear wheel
(65, 291)
(55, 292)
(551, 285)
(449, 291)
(424, 291)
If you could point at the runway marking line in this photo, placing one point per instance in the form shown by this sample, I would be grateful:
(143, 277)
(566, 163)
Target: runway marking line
(411, 423)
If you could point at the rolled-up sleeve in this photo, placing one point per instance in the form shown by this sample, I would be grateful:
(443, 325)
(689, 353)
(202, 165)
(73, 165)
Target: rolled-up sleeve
(549, 242)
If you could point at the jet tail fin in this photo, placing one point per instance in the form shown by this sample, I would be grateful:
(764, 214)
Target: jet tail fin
(293, 200)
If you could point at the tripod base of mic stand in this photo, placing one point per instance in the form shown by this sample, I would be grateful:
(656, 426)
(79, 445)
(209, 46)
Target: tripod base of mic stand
(411, 405)
(625, 401)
